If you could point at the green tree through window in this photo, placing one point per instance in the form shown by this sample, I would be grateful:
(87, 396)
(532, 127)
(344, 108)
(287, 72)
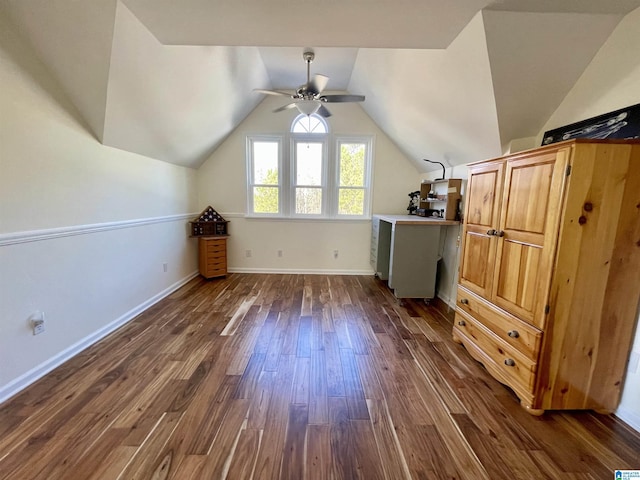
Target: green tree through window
(352, 179)
(309, 172)
(266, 199)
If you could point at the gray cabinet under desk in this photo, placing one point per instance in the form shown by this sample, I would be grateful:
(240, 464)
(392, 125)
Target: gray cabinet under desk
(404, 251)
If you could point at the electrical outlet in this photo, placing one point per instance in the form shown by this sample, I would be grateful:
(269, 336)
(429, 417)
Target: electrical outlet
(37, 323)
(279, 253)
(247, 253)
(165, 267)
(335, 254)
(38, 327)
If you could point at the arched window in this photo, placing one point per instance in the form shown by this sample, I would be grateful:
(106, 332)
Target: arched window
(309, 172)
(309, 124)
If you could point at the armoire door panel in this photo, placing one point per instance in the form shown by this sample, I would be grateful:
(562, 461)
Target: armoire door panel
(528, 195)
(483, 191)
(525, 250)
(482, 211)
(477, 271)
(517, 279)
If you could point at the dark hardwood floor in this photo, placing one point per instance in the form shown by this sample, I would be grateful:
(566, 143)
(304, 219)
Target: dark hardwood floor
(296, 377)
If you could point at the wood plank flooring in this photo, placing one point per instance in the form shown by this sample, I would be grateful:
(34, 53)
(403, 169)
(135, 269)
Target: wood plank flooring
(293, 377)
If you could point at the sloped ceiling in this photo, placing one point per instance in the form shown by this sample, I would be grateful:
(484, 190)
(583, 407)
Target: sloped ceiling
(176, 103)
(443, 109)
(535, 59)
(450, 81)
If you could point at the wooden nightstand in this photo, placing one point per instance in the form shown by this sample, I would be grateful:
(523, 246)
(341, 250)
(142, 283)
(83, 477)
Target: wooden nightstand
(213, 256)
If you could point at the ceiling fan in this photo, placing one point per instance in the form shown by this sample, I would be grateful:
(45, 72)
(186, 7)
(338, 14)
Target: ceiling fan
(308, 98)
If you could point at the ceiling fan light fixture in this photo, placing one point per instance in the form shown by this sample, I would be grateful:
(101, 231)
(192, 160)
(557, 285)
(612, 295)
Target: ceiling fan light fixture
(308, 98)
(308, 107)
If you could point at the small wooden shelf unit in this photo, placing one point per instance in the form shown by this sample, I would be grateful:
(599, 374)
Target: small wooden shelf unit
(212, 252)
(441, 196)
(211, 229)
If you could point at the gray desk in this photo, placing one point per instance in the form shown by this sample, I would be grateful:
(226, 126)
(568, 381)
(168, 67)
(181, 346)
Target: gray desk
(404, 251)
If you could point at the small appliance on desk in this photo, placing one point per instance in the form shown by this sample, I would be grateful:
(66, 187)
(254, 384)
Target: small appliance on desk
(413, 202)
(430, 212)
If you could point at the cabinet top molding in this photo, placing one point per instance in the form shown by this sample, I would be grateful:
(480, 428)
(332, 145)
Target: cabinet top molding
(558, 145)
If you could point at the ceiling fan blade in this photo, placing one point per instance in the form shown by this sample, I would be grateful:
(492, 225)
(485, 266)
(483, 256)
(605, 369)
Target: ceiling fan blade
(323, 112)
(342, 98)
(285, 107)
(273, 92)
(317, 84)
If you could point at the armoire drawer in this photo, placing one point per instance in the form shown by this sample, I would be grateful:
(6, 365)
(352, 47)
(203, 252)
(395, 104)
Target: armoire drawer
(516, 369)
(524, 337)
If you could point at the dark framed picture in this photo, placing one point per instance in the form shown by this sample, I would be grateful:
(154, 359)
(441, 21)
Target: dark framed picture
(621, 124)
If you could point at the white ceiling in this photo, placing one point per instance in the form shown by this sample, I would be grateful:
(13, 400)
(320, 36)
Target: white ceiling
(449, 81)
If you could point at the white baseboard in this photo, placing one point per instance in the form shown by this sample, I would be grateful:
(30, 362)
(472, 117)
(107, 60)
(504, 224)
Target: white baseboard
(630, 418)
(451, 303)
(300, 271)
(17, 385)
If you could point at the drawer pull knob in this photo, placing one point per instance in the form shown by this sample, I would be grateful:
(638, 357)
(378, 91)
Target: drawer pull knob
(491, 232)
(464, 301)
(500, 233)
(513, 333)
(509, 362)
(462, 323)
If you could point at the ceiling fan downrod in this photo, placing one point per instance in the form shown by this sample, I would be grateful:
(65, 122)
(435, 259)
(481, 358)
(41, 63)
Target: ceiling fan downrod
(308, 98)
(308, 56)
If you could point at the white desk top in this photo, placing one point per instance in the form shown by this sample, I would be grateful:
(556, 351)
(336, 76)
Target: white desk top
(414, 220)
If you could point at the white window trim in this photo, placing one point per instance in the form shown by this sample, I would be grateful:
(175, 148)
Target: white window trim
(301, 117)
(368, 173)
(296, 138)
(250, 177)
(286, 174)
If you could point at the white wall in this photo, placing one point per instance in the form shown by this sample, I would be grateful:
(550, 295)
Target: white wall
(307, 245)
(449, 240)
(81, 65)
(611, 82)
(438, 103)
(84, 228)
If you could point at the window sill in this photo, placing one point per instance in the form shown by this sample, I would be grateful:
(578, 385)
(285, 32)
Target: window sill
(308, 219)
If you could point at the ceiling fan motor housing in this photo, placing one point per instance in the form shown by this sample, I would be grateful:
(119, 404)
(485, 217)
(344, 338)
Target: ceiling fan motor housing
(308, 98)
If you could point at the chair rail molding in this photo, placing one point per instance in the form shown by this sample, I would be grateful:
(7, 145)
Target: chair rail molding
(14, 238)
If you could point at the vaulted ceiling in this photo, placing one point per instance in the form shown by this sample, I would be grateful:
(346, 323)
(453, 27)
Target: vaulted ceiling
(450, 81)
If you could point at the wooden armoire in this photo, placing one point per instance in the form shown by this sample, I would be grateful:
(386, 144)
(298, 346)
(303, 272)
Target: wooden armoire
(549, 281)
